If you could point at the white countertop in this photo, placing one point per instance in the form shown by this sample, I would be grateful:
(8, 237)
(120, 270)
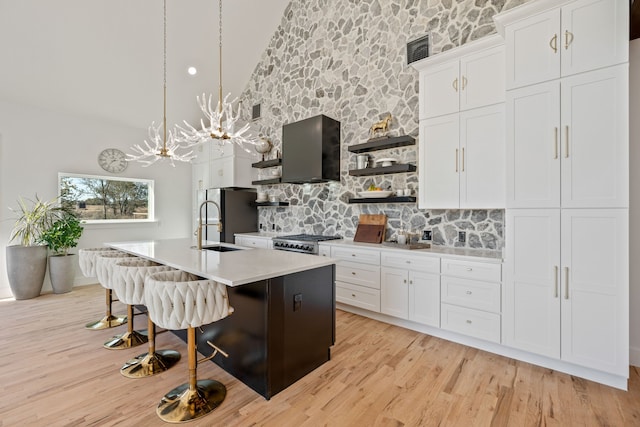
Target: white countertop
(231, 268)
(487, 255)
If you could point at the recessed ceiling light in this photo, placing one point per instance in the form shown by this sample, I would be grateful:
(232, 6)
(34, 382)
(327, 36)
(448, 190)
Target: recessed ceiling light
(192, 71)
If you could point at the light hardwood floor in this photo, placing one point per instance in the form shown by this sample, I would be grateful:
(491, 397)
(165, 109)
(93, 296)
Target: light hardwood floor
(53, 372)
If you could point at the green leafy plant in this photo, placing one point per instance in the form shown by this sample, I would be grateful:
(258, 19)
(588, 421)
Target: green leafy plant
(33, 218)
(63, 234)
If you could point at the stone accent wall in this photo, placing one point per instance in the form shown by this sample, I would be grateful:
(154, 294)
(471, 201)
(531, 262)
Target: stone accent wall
(346, 59)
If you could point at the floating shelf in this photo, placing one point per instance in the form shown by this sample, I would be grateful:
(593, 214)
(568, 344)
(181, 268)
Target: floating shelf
(399, 199)
(382, 143)
(270, 203)
(267, 181)
(397, 168)
(267, 163)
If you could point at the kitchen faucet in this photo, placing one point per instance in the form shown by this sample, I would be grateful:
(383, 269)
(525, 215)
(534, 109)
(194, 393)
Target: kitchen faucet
(200, 224)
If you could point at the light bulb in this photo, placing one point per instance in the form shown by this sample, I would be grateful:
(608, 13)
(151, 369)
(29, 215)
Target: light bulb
(192, 71)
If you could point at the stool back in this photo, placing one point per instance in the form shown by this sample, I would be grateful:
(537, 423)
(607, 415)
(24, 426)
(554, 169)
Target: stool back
(87, 259)
(128, 278)
(179, 300)
(104, 266)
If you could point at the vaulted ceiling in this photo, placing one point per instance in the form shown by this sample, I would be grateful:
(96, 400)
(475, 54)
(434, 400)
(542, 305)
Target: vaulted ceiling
(104, 58)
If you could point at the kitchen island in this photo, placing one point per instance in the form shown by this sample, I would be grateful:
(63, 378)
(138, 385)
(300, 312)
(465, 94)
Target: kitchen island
(283, 325)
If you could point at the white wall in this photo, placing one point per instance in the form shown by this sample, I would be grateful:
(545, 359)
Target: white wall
(36, 144)
(634, 211)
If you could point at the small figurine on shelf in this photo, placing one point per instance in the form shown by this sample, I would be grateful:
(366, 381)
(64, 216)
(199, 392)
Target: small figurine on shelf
(380, 129)
(264, 146)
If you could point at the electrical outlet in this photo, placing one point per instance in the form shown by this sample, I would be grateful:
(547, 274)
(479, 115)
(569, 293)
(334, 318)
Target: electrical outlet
(426, 235)
(462, 236)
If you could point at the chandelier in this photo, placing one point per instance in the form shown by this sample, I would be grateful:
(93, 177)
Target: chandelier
(162, 144)
(221, 120)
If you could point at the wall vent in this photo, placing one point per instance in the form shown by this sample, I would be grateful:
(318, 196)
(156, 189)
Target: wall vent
(418, 49)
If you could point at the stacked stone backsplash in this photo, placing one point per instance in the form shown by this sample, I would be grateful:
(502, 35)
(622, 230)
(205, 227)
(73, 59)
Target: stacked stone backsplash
(347, 60)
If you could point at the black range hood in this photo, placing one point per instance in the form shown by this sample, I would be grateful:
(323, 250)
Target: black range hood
(311, 150)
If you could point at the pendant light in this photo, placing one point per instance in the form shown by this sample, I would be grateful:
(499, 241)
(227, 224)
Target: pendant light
(221, 120)
(161, 145)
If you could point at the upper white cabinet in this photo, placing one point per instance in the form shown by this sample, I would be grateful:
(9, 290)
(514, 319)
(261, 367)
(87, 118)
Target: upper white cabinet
(222, 167)
(566, 294)
(462, 160)
(568, 142)
(461, 79)
(544, 42)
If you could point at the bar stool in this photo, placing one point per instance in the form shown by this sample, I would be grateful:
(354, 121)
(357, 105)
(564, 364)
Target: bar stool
(87, 260)
(105, 272)
(128, 284)
(179, 300)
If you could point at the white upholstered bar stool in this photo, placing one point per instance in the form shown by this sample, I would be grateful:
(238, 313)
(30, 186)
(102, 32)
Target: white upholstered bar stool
(180, 300)
(128, 284)
(87, 260)
(105, 264)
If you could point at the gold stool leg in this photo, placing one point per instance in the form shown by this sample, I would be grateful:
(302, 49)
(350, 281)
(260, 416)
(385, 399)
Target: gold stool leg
(130, 338)
(153, 362)
(109, 321)
(194, 399)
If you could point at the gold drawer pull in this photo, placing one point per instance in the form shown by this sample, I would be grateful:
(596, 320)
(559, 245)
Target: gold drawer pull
(455, 84)
(469, 321)
(553, 43)
(353, 272)
(469, 269)
(469, 292)
(568, 39)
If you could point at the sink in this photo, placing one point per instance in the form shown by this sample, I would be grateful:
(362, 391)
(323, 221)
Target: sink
(219, 248)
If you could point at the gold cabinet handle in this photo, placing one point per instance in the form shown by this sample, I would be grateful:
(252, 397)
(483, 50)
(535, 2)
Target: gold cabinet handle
(566, 142)
(566, 283)
(555, 279)
(404, 281)
(553, 43)
(411, 282)
(456, 160)
(568, 39)
(555, 143)
(455, 84)
(469, 292)
(464, 82)
(462, 159)
(353, 295)
(469, 321)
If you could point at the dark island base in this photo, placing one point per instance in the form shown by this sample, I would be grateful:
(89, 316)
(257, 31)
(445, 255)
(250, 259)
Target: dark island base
(282, 329)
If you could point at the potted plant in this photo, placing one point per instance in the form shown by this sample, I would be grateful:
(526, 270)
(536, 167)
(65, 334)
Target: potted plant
(63, 235)
(27, 261)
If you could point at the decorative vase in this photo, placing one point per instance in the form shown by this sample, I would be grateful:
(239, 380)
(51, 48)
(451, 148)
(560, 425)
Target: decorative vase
(62, 273)
(26, 267)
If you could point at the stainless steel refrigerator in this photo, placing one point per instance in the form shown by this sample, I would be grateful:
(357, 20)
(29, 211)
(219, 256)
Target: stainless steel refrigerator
(238, 211)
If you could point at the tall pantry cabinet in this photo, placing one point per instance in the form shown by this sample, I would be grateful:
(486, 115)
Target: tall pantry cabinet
(567, 287)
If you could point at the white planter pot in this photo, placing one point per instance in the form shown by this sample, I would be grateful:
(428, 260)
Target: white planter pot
(62, 272)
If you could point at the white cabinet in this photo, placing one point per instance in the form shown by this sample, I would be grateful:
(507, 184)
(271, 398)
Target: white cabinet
(410, 287)
(357, 277)
(462, 160)
(222, 167)
(568, 142)
(462, 79)
(544, 42)
(566, 293)
(262, 242)
(471, 298)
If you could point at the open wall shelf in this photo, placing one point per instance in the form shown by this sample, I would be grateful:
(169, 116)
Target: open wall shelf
(383, 170)
(399, 199)
(267, 163)
(382, 143)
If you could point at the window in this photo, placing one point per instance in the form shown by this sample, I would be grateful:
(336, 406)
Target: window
(106, 199)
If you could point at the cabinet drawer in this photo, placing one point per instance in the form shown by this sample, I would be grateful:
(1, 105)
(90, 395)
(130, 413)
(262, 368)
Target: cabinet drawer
(253, 243)
(356, 255)
(472, 269)
(397, 259)
(358, 274)
(358, 296)
(324, 250)
(471, 293)
(475, 323)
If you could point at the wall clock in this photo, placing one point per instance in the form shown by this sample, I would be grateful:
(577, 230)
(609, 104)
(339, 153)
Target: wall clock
(112, 160)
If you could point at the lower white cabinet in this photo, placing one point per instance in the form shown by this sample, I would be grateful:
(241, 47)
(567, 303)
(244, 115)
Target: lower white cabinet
(413, 291)
(254, 242)
(567, 284)
(357, 277)
(475, 323)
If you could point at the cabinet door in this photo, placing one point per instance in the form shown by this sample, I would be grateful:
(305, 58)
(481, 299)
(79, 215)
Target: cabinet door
(439, 163)
(595, 139)
(533, 49)
(533, 148)
(424, 298)
(394, 292)
(595, 34)
(482, 164)
(439, 90)
(595, 289)
(531, 309)
(482, 78)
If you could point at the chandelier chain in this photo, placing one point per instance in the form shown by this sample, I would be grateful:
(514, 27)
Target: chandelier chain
(164, 76)
(220, 57)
